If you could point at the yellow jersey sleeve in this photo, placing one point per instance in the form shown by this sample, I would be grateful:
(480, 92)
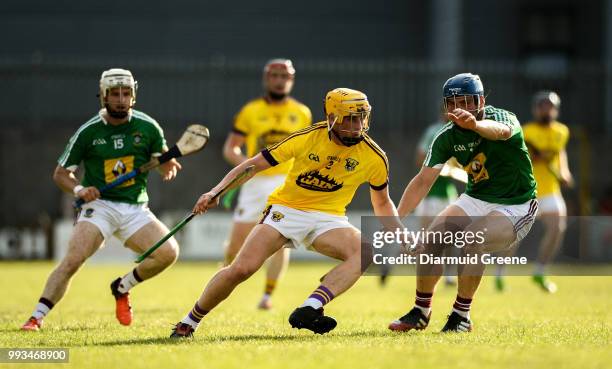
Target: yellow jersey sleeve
(379, 177)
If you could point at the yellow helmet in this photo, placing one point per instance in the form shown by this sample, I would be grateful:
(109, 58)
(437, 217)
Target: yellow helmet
(345, 102)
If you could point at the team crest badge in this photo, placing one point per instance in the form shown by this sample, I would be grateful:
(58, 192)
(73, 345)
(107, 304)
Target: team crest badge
(137, 138)
(277, 216)
(476, 168)
(88, 213)
(350, 164)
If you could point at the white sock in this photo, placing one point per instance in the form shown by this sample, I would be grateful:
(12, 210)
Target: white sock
(314, 303)
(539, 269)
(465, 314)
(127, 282)
(265, 297)
(424, 310)
(191, 322)
(40, 311)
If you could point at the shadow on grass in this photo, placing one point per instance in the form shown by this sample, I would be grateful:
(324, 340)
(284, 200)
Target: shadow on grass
(203, 339)
(46, 332)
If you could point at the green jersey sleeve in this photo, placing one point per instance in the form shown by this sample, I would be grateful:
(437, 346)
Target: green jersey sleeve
(75, 150)
(158, 144)
(504, 117)
(439, 150)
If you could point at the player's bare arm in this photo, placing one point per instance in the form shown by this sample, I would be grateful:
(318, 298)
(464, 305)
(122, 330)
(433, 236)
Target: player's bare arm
(382, 204)
(567, 179)
(67, 182)
(489, 129)
(417, 189)
(232, 149)
(203, 203)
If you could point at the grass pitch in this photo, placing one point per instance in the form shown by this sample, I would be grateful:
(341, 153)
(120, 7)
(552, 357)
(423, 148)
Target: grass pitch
(522, 328)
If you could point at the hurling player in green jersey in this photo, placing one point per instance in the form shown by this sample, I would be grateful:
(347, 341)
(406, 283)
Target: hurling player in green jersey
(499, 204)
(115, 141)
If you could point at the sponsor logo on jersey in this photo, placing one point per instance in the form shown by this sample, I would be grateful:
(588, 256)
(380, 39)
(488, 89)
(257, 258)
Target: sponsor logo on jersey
(350, 164)
(476, 168)
(277, 216)
(315, 181)
(98, 141)
(115, 167)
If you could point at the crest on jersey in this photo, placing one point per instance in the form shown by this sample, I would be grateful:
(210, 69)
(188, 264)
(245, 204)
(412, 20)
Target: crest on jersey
(476, 168)
(315, 181)
(88, 213)
(277, 216)
(137, 138)
(350, 164)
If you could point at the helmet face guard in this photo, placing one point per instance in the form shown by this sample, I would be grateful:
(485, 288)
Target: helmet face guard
(350, 126)
(121, 79)
(463, 89)
(463, 101)
(348, 115)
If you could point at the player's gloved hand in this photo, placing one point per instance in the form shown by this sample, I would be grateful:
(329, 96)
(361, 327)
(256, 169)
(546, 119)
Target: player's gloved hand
(169, 169)
(88, 194)
(204, 203)
(463, 118)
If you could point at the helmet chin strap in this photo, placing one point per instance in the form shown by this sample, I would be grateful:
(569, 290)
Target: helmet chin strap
(348, 141)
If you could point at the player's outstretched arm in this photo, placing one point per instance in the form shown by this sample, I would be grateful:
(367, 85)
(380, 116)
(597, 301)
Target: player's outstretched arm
(489, 129)
(385, 209)
(417, 189)
(203, 204)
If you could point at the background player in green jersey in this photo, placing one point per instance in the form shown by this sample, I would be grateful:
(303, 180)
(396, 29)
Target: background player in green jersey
(115, 141)
(499, 200)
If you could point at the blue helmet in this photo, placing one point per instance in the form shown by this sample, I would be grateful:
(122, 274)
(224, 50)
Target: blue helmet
(463, 84)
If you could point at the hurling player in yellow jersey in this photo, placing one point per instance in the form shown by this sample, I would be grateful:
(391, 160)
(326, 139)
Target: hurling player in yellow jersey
(546, 139)
(260, 123)
(331, 160)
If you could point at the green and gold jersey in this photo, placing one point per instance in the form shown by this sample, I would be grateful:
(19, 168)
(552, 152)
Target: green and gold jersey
(109, 151)
(443, 187)
(499, 172)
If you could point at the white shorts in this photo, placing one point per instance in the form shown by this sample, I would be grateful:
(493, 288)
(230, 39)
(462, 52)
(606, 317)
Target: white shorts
(253, 197)
(522, 216)
(552, 204)
(431, 206)
(302, 227)
(117, 219)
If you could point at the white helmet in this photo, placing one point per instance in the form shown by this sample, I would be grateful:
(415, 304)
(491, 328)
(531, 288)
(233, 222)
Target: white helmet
(117, 77)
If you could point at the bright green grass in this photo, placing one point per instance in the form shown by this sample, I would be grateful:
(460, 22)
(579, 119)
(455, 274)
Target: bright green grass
(523, 328)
